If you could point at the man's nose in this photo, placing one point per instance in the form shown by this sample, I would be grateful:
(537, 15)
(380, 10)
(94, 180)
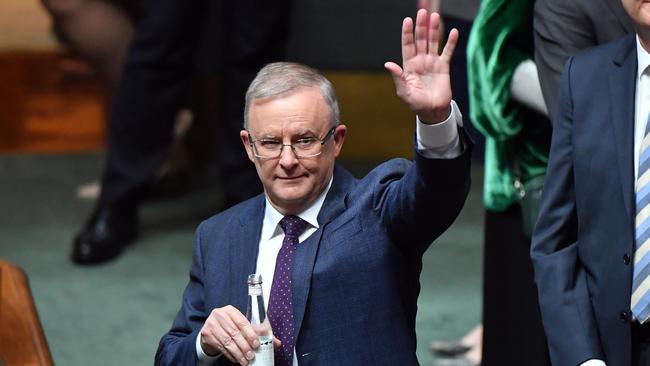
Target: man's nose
(288, 157)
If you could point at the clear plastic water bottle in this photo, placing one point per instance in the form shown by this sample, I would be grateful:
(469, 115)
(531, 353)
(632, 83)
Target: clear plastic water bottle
(256, 314)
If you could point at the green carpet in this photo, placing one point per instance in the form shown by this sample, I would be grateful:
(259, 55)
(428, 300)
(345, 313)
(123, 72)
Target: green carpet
(114, 314)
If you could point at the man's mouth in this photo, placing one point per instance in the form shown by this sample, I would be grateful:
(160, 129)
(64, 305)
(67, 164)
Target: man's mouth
(291, 178)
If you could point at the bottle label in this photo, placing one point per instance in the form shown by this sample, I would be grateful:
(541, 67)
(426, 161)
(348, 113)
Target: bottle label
(264, 354)
(255, 291)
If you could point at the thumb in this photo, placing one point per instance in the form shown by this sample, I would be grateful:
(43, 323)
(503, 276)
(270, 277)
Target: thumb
(396, 72)
(394, 69)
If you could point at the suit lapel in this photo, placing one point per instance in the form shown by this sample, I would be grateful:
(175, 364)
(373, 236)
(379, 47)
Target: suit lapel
(246, 233)
(622, 86)
(303, 266)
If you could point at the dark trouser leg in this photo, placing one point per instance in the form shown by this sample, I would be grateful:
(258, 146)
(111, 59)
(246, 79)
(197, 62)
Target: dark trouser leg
(140, 124)
(143, 110)
(256, 33)
(512, 324)
(640, 345)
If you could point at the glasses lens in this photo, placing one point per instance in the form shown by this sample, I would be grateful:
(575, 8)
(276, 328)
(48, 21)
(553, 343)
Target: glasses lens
(307, 147)
(267, 148)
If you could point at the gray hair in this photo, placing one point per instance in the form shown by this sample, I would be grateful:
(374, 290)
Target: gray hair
(281, 78)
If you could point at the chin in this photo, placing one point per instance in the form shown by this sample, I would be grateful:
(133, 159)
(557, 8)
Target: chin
(292, 199)
(289, 194)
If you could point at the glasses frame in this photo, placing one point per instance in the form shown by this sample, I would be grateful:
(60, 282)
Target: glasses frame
(322, 141)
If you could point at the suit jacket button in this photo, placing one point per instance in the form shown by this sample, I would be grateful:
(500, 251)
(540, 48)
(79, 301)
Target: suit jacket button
(624, 316)
(626, 259)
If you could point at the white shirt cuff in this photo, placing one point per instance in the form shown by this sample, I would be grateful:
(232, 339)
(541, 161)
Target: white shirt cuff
(204, 360)
(440, 140)
(593, 362)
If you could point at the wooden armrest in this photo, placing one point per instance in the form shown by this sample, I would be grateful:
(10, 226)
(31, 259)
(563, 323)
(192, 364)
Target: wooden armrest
(22, 341)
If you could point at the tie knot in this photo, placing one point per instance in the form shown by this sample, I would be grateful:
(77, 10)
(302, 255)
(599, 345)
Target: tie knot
(293, 226)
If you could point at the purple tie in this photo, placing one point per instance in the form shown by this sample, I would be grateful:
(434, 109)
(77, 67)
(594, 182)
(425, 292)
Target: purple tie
(280, 310)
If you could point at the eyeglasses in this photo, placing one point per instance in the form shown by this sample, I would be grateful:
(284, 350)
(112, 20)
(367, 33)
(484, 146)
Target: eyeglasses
(303, 148)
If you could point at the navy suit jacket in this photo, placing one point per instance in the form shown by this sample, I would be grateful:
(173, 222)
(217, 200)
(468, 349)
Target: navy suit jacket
(584, 239)
(355, 280)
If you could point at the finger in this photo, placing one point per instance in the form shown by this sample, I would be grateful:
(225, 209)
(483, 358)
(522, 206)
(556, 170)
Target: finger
(408, 45)
(234, 354)
(434, 33)
(244, 327)
(276, 343)
(421, 32)
(231, 349)
(396, 72)
(452, 41)
(394, 69)
(250, 335)
(209, 337)
(245, 349)
(232, 340)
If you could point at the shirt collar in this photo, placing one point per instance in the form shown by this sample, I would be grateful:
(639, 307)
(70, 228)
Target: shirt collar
(272, 217)
(643, 58)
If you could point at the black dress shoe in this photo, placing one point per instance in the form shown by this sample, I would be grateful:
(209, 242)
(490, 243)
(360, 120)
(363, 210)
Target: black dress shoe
(105, 234)
(449, 348)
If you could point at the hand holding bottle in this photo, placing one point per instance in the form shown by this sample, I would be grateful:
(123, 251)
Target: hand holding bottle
(242, 339)
(227, 331)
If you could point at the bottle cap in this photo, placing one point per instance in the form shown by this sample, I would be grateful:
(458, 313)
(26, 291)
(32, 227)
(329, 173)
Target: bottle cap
(254, 279)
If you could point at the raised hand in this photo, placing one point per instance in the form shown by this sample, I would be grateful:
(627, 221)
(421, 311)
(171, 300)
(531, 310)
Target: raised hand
(423, 81)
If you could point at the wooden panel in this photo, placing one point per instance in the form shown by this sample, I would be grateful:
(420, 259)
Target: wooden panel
(47, 107)
(379, 125)
(22, 341)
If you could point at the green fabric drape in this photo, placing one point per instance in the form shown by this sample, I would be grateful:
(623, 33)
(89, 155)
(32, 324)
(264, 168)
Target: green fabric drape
(501, 38)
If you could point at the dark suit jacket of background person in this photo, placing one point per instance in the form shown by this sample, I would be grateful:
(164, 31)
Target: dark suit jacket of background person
(355, 280)
(584, 239)
(564, 27)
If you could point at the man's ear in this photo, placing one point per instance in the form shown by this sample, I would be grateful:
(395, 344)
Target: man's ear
(339, 138)
(243, 135)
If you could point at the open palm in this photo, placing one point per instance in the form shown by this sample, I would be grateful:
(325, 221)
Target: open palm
(423, 81)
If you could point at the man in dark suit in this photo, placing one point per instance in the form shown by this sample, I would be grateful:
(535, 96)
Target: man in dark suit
(353, 278)
(590, 242)
(153, 85)
(562, 28)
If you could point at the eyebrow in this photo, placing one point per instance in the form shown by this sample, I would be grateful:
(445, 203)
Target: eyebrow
(300, 134)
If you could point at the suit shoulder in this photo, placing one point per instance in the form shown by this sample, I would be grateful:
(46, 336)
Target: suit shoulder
(606, 52)
(382, 175)
(234, 213)
(588, 67)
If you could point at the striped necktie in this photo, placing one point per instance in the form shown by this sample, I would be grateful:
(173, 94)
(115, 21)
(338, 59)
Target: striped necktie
(640, 303)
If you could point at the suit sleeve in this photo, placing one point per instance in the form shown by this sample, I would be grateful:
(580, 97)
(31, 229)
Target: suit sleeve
(561, 29)
(418, 202)
(178, 347)
(561, 279)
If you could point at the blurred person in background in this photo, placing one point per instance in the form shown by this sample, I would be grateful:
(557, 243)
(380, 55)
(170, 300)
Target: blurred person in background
(156, 48)
(593, 236)
(562, 28)
(507, 106)
(97, 31)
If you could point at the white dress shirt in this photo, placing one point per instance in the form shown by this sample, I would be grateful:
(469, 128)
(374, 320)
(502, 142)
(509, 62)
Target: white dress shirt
(642, 111)
(642, 106)
(439, 140)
